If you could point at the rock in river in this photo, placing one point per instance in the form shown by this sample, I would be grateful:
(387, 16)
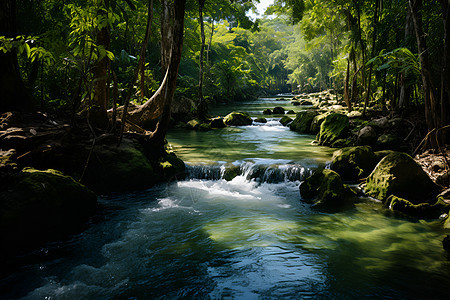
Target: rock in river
(353, 163)
(238, 119)
(302, 121)
(325, 190)
(398, 174)
(38, 206)
(333, 128)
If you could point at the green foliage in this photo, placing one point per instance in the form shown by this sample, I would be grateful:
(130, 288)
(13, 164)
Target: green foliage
(85, 23)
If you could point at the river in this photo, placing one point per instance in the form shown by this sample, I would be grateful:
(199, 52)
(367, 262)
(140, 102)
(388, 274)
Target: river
(248, 238)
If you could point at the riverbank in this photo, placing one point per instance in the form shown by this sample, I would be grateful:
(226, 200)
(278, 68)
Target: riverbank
(51, 172)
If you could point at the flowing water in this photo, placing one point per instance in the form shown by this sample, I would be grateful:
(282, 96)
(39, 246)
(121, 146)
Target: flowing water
(248, 238)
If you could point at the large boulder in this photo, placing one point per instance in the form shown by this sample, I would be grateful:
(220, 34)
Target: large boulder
(367, 136)
(278, 110)
(353, 163)
(398, 174)
(326, 190)
(38, 206)
(302, 121)
(238, 119)
(118, 169)
(334, 127)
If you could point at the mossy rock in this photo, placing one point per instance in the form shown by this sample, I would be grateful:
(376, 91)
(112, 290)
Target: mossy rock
(172, 167)
(421, 210)
(316, 122)
(238, 119)
(333, 128)
(353, 163)
(217, 123)
(302, 121)
(398, 174)
(285, 120)
(278, 110)
(261, 120)
(230, 171)
(367, 136)
(39, 206)
(267, 111)
(118, 169)
(290, 112)
(325, 189)
(193, 124)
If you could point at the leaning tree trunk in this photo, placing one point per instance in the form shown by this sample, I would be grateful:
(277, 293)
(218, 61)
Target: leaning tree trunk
(175, 14)
(13, 94)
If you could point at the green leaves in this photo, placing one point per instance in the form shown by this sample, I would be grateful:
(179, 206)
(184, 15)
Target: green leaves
(21, 45)
(85, 23)
(398, 60)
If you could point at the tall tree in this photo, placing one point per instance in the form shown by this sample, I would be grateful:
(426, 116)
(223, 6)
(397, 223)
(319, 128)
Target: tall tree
(429, 94)
(202, 107)
(172, 44)
(97, 112)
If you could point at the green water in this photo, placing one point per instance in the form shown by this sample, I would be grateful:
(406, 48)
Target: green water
(249, 238)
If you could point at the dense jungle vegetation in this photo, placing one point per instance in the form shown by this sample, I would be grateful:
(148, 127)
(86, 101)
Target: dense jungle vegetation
(92, 56)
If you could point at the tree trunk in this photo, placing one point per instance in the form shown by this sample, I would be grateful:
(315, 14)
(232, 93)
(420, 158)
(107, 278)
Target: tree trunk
(166, 19)
(175, 13)
(405, 90)
(144, 46)
(13, 94)
(202, 108)
(346, 86)
(415, 7)
(374, 38)
(97, 114)
(210, 41)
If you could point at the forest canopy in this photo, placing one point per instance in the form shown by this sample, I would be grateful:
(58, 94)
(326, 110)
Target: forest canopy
(97, 55)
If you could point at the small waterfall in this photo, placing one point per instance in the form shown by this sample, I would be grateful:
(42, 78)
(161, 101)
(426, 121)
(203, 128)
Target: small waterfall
(258, 172)
(209, 172)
